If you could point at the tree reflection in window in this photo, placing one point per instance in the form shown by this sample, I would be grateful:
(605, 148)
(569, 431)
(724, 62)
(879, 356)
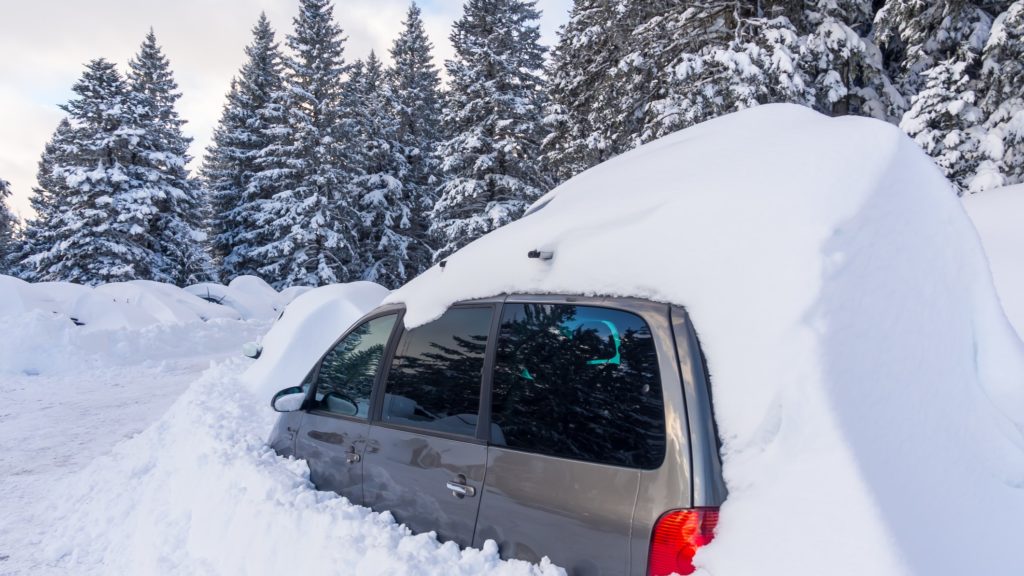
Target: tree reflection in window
(578, 382)
(347, 372)
(434, 381)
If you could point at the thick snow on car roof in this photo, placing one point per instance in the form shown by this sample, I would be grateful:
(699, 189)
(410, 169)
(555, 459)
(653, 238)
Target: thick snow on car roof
(868, 387)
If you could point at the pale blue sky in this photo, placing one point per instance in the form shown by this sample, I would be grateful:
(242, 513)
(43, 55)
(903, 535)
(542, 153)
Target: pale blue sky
(44, 43)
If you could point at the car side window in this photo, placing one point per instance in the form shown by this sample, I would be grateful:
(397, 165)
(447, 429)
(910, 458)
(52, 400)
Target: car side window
(434, 380)
(345, 380)
(578, 382)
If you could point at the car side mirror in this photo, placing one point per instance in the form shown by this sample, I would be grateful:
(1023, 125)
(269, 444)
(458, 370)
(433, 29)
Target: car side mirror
(288, 400)
(252, 350)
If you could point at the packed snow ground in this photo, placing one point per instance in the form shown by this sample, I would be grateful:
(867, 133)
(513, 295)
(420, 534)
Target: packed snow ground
(868, 386)
(999, 217)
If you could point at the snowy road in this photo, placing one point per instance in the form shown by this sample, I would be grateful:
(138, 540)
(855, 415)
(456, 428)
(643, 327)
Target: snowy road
(53, 425)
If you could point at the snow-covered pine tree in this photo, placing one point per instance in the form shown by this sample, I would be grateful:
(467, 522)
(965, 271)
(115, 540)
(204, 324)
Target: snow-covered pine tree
(416, 92)
(384, 202)
(177, 226)
(494, 120)
(46, 201)
(96, 224)
(251, 125)
(844, 69)
(8, 223)
(311, 219)
(589, 47)
(915, 35)
(944, 120)
(1002, 149)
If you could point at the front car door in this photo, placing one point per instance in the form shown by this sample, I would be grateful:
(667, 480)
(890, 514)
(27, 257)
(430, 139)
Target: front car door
(577, 414)
(334, 429)
(425, 458)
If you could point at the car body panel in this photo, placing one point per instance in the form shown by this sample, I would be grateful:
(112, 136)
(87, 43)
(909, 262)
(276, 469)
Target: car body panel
(407, 472)
(333, 446)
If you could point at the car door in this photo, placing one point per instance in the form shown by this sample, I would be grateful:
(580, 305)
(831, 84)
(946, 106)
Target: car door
(425, 460)
(576, 414)
(335, 425)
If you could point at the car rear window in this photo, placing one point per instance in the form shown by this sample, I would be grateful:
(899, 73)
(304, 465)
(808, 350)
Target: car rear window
(578, 382)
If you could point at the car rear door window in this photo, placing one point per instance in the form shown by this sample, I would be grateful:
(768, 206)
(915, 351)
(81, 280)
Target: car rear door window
(434, 380)
(345, 380)
(578, 382)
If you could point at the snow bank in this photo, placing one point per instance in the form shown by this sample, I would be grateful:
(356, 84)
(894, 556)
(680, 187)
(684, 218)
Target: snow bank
(248, 295)
(54, 327)
(999, 217)
(307, 329)
(200, 493)
(869, 389)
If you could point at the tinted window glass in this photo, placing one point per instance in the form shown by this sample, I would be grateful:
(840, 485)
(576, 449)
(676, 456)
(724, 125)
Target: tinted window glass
(346, 375)
(578, 382)
(434, 381)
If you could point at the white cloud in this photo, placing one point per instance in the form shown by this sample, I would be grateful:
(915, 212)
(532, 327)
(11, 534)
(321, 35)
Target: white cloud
(44, 43)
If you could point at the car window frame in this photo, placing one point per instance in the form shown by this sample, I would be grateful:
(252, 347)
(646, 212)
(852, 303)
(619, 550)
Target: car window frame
(399, 313)
(644, 309)
(481, 437)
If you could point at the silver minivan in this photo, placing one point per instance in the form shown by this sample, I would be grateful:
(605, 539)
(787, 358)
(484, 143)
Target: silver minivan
(576, 428)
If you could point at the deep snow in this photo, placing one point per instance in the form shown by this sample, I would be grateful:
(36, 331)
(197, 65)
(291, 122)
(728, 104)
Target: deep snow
(868, 387)
(999, 218)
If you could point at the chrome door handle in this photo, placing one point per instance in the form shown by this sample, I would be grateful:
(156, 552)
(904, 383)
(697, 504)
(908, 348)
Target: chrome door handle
(460, 490)
(352, 457)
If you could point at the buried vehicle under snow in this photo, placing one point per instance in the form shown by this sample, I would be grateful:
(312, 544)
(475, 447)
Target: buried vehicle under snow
(546, 388)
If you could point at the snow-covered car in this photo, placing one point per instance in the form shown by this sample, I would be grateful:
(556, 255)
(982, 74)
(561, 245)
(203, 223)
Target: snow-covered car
(856, 385)
(523, 419)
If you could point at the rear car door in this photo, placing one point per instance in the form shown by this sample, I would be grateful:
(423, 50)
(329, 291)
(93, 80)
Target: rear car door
(425, 459)
(334, 429)
(576, 413)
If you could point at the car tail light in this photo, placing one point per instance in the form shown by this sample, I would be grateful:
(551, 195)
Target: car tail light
(676, 538)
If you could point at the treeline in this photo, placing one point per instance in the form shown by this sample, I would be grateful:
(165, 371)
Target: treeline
(329, 170)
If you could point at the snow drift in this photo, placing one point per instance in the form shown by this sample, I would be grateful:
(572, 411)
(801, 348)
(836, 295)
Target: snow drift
(868, 387)
(999, 218)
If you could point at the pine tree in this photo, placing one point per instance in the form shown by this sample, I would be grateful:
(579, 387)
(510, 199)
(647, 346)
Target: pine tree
(843, 67)
(581, 87)
(944, 120)
(179, 200)
(253, 124)
(96, 221)
(311, 218)
(415, 88)
(1003, 104)
(916, 35)
(8, 223)
(46, 198)
(384, 202)
(494, 119)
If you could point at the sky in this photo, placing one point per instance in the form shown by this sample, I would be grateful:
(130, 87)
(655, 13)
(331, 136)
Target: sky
(44, 45)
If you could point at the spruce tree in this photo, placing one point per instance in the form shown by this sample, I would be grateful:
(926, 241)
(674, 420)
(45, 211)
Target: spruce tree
(844, 69)
(177, 225)
(96, 224)
(581, 87)
(8, 223)
(1002, 153)
(252, 125)
(384, 202)
(311, 219)
(415, 89)
(46, 198)
(494, 119)
(944, 120)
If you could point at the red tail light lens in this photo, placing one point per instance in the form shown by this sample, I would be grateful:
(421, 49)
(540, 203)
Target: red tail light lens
(676, 538)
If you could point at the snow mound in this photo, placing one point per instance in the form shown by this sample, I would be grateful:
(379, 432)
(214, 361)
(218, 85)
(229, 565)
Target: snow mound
(999, 218)
(307, 329)
(201, 493)
(868, 388)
